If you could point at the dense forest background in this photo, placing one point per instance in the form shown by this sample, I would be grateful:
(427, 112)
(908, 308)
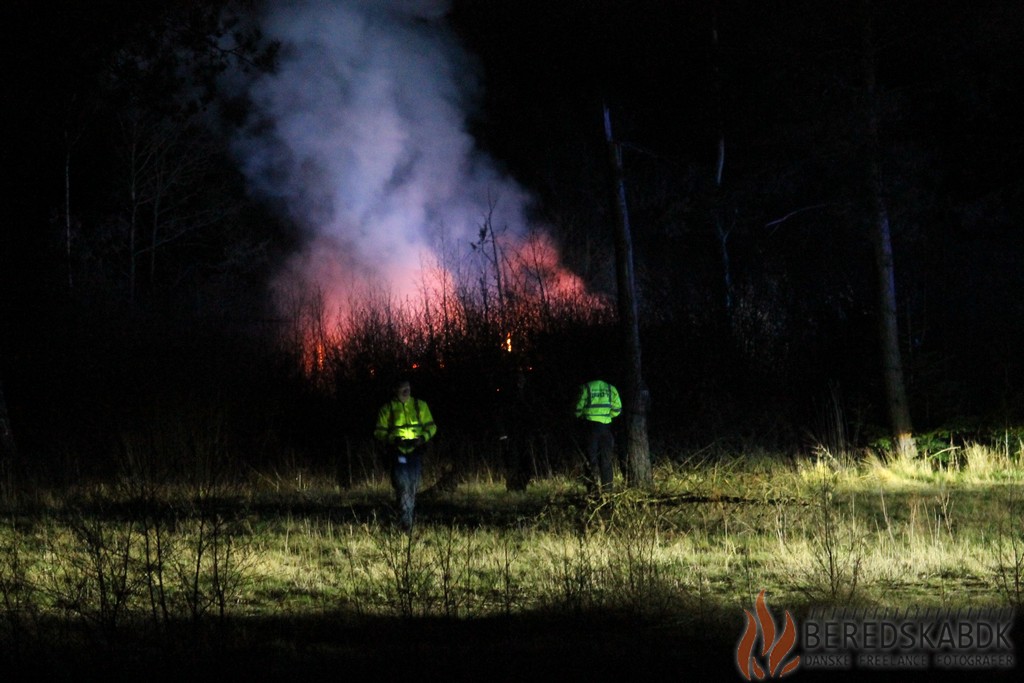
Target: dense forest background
(135, 263)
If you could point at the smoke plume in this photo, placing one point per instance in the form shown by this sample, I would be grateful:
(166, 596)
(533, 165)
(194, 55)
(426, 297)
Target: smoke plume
(360, 135)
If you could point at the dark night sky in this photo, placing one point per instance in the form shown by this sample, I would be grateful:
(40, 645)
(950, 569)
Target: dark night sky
(548, 65)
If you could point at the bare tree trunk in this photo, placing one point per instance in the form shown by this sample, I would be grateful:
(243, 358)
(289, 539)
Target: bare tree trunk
(892, 365)
(494, 260)
(638, 456)
(721, 229)
(8, 450)
(73, 130)
(133, 196)
(67, 213)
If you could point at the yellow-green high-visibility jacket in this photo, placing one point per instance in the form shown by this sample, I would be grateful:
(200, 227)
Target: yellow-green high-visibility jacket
(598, 402)
(398, 422)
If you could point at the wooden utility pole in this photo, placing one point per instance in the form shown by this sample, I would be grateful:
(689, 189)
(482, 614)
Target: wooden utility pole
(638, 456)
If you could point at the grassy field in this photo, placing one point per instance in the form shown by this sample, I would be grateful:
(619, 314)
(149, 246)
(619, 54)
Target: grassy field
(279, 574)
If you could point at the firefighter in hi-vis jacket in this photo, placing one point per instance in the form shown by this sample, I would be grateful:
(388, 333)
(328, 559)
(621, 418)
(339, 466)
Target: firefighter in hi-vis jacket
(597, 404)
(405, 425)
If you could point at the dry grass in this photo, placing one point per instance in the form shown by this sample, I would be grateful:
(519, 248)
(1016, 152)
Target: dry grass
(698, 545)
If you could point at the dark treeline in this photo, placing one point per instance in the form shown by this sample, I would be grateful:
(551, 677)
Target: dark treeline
(757, 288)
(746, 130)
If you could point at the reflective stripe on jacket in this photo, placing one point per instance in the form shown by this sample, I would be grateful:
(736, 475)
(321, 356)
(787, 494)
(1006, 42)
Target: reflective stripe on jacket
(398, 422)
(598, 402)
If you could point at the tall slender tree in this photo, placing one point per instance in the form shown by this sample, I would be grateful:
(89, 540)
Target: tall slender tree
(888, 329)
(638, 456)
(8, 451)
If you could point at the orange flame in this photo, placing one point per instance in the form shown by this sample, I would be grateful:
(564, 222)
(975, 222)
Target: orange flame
(775, 649)
(325, 306)
(314, 358)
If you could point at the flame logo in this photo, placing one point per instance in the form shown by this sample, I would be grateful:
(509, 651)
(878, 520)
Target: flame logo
(776, 650)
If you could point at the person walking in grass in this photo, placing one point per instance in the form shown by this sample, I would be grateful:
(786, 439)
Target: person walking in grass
(405, 425)
(518, 429)
(597, 404)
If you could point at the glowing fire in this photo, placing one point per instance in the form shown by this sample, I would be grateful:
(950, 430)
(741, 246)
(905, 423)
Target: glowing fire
(346, 316)
(314, 357)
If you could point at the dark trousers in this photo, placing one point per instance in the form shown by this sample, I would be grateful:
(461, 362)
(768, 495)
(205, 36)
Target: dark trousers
(406, 471)
(518, 461)
(600, 444)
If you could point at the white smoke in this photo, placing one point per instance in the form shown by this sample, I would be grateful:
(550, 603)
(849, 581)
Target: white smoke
(361, 135)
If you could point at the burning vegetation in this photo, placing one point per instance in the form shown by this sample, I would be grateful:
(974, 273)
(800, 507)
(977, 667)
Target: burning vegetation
(515, 295)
